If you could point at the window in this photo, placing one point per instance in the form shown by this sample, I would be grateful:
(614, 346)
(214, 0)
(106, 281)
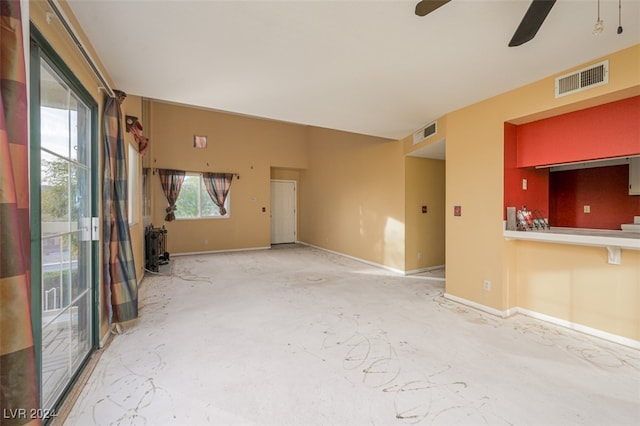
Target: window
(134, 185)
(194, 202)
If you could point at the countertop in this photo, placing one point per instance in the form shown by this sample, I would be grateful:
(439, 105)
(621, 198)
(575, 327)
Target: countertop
(612, 240)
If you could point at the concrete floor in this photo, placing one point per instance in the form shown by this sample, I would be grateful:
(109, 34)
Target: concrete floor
(304, 337)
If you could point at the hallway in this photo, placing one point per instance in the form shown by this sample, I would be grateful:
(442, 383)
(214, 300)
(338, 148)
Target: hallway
(299, 336)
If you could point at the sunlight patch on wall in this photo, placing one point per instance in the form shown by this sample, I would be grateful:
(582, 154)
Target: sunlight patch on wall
(394, 243)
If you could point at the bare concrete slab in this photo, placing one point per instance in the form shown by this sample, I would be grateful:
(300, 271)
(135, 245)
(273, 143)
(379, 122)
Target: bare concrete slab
(305, 337)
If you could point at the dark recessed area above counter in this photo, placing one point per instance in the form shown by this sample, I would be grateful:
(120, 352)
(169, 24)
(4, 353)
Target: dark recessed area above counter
(596, 198)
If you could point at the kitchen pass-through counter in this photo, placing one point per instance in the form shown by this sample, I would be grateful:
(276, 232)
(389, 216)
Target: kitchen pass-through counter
(613, 241)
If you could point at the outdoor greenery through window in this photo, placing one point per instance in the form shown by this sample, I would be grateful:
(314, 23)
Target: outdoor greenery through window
(194, 202)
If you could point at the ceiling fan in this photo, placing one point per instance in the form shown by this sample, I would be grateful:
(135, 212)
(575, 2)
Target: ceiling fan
(529, 26)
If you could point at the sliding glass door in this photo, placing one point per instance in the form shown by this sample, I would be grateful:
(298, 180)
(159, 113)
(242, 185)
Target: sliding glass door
(63, 119)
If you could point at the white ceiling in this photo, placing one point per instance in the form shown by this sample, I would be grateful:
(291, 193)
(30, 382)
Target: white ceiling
(369, 67)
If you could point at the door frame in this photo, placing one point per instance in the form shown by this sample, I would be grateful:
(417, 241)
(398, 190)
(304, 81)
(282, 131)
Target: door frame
(295, 207)
(40, 48)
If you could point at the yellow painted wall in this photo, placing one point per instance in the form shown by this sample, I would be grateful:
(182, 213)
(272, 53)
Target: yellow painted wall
(285, 174)
(475, 247)
(352, 196)
(367, 173)
(247, 146)
(425, 236)
(578, 285)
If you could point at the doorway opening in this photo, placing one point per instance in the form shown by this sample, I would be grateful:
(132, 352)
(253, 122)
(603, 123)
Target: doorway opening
(283, 211)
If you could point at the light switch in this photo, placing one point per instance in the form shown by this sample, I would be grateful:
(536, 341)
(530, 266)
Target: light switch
(587, 209)
(524, 184)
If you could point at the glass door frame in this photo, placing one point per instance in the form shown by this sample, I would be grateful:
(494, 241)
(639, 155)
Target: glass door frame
(39, 49)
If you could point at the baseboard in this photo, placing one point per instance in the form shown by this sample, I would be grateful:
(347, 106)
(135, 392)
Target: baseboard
(428, 269)
(379, 265)
(368, 262)
(478, 306)
(625, 341)
(621, 340)
(218, 251)
(421, 270)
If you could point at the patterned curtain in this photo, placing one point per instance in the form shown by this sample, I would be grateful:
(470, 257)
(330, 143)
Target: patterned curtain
(171, 181)
(218, 185)
(120, 281)
(18, 370)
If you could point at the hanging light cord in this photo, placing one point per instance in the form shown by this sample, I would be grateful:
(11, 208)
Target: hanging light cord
(619, 16)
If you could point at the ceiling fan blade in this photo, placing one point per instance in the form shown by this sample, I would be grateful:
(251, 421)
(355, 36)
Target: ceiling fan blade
(531, 22)
(424, 7)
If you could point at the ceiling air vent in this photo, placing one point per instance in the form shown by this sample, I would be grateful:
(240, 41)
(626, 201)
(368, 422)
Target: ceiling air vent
(425, 132)
(586, 78)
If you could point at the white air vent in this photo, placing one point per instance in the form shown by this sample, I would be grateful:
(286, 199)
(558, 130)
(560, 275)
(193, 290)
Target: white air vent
(586, 78)
(425, 132)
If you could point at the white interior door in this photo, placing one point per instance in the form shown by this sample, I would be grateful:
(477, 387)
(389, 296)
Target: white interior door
(283, 211)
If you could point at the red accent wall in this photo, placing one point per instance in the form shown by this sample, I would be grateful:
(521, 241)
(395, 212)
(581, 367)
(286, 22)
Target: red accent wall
(536, 196)
(604, 131)
(604, 189)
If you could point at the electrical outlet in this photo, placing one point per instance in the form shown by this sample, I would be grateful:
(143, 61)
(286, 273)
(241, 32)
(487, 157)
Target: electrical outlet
(587, 209)
(486, 285)
(419, 255)
(524, 184)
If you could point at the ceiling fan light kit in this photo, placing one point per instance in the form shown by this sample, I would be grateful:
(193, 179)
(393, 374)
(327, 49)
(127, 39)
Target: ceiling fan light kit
(599, 26)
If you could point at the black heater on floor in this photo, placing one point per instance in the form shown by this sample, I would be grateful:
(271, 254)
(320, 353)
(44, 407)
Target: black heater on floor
(156, 254)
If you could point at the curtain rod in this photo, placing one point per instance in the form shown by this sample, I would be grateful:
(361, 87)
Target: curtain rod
(154, 169)
(76, 40)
